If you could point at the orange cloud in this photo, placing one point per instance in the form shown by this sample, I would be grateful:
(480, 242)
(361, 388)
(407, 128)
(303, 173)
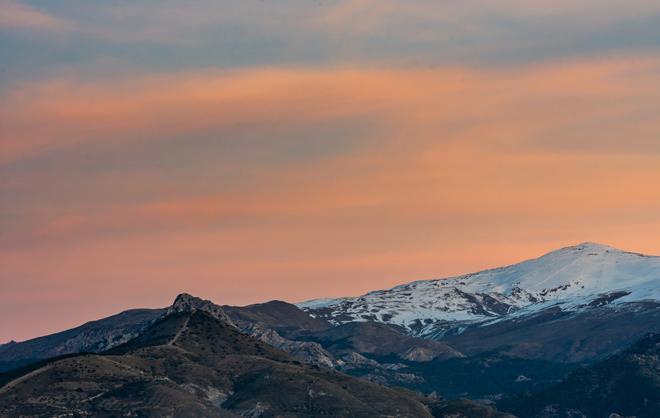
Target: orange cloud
(442, 141)
(515, 103)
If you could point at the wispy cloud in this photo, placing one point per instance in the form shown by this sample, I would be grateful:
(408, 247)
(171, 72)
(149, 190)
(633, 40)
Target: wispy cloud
(16, 15)
(562, 106)
(433, 145)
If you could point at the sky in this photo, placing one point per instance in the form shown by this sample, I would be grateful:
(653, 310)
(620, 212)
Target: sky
(249, 150)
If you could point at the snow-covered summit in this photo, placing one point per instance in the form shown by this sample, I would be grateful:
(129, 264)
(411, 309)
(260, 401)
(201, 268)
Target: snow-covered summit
(573, 278)
(585, 269)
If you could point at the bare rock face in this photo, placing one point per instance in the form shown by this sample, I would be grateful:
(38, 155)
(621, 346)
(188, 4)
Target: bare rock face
(188, 303)
(419, 354)
(353, 359)
(308, 352)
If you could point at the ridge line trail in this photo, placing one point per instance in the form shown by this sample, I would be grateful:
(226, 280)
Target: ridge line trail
(120, 364)
(179, 332)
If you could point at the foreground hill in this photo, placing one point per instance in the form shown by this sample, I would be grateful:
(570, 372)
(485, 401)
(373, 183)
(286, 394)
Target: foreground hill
(627, 384)
(193, 364)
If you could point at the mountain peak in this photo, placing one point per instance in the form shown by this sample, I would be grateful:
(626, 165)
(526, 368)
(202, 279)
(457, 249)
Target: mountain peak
(186, 299)
(185, 302)
(594, 246)
(590, 247)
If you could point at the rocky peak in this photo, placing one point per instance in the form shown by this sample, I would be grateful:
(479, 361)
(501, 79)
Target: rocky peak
(188, 303)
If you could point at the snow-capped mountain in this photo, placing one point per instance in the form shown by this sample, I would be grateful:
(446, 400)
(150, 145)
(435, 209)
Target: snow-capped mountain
(572, 279)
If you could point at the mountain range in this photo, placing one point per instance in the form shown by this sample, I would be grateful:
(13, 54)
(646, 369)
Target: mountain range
(510, 337)
(195, 362)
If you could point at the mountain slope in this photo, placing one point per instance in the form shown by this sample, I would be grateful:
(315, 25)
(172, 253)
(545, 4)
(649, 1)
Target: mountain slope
(487, 377)
(193, 364)
(563, 336)
(627, 384)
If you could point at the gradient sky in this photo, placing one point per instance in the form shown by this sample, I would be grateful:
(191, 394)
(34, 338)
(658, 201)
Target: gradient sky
(252, 150)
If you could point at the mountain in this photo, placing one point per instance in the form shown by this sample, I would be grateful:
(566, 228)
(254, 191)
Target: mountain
(194, 364)
(627, 384)
(522, 307)
(100, 335)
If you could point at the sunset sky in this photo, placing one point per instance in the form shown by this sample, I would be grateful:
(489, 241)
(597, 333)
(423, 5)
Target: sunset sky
(245, 150)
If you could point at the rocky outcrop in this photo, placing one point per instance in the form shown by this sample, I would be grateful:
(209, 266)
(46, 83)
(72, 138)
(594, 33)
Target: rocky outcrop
(308, 352)
(188, 303)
